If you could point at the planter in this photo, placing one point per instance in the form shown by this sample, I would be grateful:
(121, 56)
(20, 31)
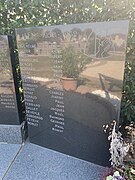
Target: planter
(69, 84)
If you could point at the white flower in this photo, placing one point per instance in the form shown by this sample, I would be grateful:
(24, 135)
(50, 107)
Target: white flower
(133, 171)
(118, 148)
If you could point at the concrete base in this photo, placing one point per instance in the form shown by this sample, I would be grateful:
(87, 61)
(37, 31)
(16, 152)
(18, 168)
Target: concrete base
(13, 134)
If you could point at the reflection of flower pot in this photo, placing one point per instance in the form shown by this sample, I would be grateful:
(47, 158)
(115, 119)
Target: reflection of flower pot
(69, 83)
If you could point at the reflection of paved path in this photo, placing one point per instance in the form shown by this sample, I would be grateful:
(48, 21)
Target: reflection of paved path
(96, 63)
(112, 69)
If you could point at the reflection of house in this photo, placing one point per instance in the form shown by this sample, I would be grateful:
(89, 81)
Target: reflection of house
(119, 41)
(42, 48)
(86, 42)
(47, 48)
(79, 45)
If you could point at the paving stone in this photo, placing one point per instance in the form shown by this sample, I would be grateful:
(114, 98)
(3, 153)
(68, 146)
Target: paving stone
(38, 163)
(7, 154)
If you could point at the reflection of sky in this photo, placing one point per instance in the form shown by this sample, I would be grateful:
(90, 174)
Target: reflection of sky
(100, 28)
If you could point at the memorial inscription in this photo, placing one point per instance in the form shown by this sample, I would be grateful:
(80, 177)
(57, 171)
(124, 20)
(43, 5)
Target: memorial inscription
(8, 104)
(72, 80)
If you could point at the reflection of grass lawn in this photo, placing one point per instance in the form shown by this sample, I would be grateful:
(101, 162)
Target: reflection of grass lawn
(90, 84)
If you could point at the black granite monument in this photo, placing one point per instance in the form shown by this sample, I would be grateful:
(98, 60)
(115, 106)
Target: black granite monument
(72, 79)
(8, 105)
(11, 119)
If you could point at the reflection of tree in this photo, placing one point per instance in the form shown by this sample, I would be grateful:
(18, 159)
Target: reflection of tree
(29, 38)
(76, 33)
(87, 32)
(35, 34)
(58, 35)
(47, 36)
(119, 42)
(85, 40)
(31, 33)
(5, 65)
(89, 37)
(22, 32)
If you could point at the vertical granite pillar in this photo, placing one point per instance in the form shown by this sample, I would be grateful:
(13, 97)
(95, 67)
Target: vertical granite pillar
(11, 122)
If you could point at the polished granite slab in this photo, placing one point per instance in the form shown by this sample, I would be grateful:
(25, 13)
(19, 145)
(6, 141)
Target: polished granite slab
(8, 95)
(91, 57)
(38, 163)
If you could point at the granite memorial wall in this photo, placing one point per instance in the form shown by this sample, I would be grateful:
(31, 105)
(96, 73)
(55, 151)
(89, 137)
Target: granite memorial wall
(72, 80)
(8, 102)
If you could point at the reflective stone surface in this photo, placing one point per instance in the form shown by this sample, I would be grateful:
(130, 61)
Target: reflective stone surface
(72, 78)
(8, 105)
